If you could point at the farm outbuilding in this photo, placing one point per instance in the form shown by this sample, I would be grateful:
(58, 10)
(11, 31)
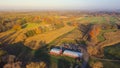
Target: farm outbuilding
(55, 51)
(66, 52)
(74, 54)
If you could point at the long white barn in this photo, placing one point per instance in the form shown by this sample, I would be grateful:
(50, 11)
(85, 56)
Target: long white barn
(55, 51)
(73, 54)
(66, 52)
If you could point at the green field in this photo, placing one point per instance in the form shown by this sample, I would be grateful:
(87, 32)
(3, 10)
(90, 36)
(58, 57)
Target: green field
(98, 19)
(101, 38)
(112, 52)
(106, 64)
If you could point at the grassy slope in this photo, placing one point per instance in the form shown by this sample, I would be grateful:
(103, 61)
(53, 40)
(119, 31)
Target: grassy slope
(50, 36)
(18, 36)
(101, 35)
(98, 19)
(68, 38)
(106, 64)
(111, 39)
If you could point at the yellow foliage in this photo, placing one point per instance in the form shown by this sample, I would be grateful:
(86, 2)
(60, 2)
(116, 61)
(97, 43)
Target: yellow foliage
(36, 65)
(92, 50)
(37, 30)
(17, 27)
(94, 31)
(97, 65)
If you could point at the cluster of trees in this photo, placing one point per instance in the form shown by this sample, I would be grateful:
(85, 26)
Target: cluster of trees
(92, 50)
(106, 26)
(92, 31)
(96, 64)
(20, 56)
(50, 19)
(2, 53)
(40, 29)
(8, 61)
(16, 27)
(36, 65)
(73, 23)
(36, 31)
(7, 23)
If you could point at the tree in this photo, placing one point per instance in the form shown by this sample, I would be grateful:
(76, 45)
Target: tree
(37, 31)
(13, 65)
(97, 65)
(36, 65)
(2, 52)
(17, 27)
(94, 32)
(93, 51)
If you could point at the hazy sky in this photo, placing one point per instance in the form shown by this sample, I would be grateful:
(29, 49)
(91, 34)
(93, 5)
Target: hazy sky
(60, 4)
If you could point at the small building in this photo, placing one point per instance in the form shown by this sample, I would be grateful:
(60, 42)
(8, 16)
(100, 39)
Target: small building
(55, 51)
(74, 54)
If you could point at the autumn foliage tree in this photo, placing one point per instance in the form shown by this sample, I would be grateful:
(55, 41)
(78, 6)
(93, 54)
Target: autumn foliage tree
(97, 65)
(37, 30)
(94, 32)
(36, 65)
(16, 27)
(93, 51)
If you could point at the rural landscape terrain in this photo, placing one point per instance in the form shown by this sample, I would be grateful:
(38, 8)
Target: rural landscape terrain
(26, 39)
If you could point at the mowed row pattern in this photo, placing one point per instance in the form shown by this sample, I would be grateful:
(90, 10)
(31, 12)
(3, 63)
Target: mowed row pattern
(49, 36)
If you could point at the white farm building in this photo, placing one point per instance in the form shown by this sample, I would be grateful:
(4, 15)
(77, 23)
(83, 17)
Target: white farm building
(66, 52)
(73, 54)
(55, 51)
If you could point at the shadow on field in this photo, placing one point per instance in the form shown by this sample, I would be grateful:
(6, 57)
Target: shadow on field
(62, 63)
(27, 55)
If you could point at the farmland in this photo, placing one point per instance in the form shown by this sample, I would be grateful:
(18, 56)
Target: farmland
(30, 36)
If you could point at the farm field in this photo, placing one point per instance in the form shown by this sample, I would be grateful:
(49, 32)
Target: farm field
(30, 37)
(48, 37)
(60, 34)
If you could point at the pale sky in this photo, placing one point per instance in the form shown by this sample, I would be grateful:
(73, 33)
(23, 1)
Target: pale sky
(60, 4)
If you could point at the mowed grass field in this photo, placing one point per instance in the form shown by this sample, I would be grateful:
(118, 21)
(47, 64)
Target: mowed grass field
(31, 25)
(55, 35)
(69, 37)
(49, 36)
(98, 19)
(19, 36)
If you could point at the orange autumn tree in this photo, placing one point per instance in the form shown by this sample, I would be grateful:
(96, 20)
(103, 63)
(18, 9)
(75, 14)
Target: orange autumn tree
(94, 31)
(37, 30)
(17, 27)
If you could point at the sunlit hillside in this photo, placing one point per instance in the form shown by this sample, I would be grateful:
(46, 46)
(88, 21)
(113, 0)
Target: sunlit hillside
(29, 37)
